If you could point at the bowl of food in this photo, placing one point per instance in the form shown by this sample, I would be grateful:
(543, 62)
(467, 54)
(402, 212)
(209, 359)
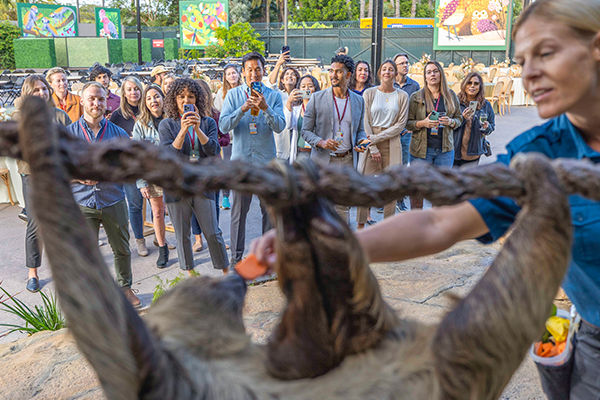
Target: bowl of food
(556, 344)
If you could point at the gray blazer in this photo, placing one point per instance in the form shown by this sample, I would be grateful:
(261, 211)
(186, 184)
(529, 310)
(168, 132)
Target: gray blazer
(318, 123)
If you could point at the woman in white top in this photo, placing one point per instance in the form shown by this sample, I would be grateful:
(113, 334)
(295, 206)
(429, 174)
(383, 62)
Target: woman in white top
(231, 79)
(294, 114)
(386, 111)
(288, 81)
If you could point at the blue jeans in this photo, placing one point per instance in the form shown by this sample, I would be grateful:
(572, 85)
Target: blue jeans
(196, 226)
(405, 141)
(135, 202)
(438, 158)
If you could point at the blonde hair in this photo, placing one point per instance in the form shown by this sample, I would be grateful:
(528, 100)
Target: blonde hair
(29, 86)
(145, 114)
(53, 71)
(444, 90)
(583, 16)
(126, 109)
(226, 84)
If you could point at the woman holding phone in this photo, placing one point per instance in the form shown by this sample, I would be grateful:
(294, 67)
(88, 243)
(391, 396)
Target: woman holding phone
(194, 137)
(555, 40)
(479, 121)
(294, 114)
(433, 114)
(386, 110)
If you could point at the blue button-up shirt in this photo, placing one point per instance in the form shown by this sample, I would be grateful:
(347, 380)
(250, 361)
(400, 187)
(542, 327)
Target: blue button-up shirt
(410, 86)
(103, 194)
(558, 138)
(256, 148)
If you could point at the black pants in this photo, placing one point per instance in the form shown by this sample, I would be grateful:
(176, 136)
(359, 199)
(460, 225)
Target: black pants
(33, 254)
(460, 163)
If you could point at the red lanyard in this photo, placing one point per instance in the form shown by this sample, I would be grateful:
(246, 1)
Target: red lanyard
(88, 136)
(437, 103)
(338, 111)
(192, 137)
(303, 109)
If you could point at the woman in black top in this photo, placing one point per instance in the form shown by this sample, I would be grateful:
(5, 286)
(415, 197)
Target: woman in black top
(194, 137)
(125, 117)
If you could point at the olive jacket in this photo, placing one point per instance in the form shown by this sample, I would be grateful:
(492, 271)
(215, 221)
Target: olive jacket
(417, 111)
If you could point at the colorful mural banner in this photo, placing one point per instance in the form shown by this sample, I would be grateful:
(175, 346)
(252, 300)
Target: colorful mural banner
(46, 20)
(199, 20)
(108, 22)
(472, 24)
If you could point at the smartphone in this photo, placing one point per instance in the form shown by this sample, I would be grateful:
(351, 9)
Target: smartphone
(306, 94)
(473, 105)
(434, 116)
(188, 108)
(285, 49)
(364, 145)
(257, 87)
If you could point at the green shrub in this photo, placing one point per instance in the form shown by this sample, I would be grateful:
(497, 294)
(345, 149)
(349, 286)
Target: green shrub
(171, 49)
(130, 50)
(236, 41)
(34, 53)
(164, 285)
(8, 32)
(45, 318)
(115, 50)
(85, 51)
(190, 54)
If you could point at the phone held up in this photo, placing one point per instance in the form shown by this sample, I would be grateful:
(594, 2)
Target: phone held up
(286, 49)
(257, 87)
(188, 108)
(306, 94)
(473, 105)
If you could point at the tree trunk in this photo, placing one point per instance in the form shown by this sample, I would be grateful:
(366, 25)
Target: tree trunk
(349, 9)
(362, 9)
(413, 8)
(268, 12)
(397, 15)
(430, 3)
(371, 9)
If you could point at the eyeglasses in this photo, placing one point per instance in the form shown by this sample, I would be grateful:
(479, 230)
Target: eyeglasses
(402, 64)
(473, 83)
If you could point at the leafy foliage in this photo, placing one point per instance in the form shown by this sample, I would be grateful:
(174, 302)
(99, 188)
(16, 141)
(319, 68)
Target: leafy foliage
(45, 318)
(236, 41)
(35, 53)
(190, 54)
(324, 10)
(164, 285)
(8, 32)
(239, 11)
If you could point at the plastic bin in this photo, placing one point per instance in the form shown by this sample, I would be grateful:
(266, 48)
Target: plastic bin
(562, 357)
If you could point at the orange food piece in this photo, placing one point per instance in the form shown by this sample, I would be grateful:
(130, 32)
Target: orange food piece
(250, 268)
(549, 349)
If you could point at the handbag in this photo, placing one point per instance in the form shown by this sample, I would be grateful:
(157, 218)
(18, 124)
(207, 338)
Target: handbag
(487, 147)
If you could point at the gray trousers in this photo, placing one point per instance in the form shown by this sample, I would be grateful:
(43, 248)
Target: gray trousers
(347, 161)
(115, 220)
(180, 213)
(33, 254)
(239, 211)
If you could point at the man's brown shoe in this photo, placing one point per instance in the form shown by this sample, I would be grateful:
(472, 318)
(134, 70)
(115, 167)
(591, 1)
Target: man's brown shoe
(133, 299)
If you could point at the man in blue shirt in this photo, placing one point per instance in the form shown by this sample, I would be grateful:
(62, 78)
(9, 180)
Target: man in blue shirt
(253, 117)
(103, 202)
(410, 86)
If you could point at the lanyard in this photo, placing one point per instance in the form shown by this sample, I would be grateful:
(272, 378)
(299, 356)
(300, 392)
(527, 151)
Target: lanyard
(192, 137)
(88, 137)
(437, 103)
(338, 111)
(303, 109)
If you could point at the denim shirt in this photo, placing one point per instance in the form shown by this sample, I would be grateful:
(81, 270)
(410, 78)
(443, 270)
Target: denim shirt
(558, 138)
(256, 148)
(103, 194)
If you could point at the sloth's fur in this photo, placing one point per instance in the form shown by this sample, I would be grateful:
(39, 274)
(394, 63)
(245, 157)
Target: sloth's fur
(337, 338)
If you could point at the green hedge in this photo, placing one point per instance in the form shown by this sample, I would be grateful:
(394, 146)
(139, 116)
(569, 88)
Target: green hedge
(60, 49)
(115, 50)
(84, 52)
(8, 32)
(34, 53)
(171, 49)
(130, 50)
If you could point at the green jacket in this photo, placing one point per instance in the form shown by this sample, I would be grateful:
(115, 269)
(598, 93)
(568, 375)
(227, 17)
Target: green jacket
(417, 111)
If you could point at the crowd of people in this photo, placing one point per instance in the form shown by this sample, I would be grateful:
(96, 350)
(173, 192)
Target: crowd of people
(254, 118)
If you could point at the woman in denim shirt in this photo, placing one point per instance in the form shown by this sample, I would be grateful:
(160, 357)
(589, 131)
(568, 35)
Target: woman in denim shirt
(146, 128)
(558, 44)
(470, 136)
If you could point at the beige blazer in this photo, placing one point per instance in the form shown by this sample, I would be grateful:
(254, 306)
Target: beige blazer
(379, 134)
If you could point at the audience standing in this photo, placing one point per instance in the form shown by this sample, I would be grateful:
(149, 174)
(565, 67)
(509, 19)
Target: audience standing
(104, 202)
(470, 137)
(294, 110)
(253, 117)
(157, 74)
(194, 137)
(362, 78)
(167, 82)
(386, 111)
(288, 79)
(146, 128)
(335, 140)
(103, 76)
(65, 100)
(35, 85)
(433, 139)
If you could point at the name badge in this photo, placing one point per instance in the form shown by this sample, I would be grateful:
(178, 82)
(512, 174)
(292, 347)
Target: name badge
(253, 129)
(194, 157)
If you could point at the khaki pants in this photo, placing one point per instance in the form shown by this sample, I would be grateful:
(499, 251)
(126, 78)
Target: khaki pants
(343, 211)
(374, 168)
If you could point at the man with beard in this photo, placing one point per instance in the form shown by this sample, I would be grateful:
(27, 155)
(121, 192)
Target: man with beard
(335, 140)
(102, 202)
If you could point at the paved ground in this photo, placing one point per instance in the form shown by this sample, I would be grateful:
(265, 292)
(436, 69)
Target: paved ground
(413, 286)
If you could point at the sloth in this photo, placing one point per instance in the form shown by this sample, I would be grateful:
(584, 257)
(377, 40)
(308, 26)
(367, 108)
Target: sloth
(337, 337)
